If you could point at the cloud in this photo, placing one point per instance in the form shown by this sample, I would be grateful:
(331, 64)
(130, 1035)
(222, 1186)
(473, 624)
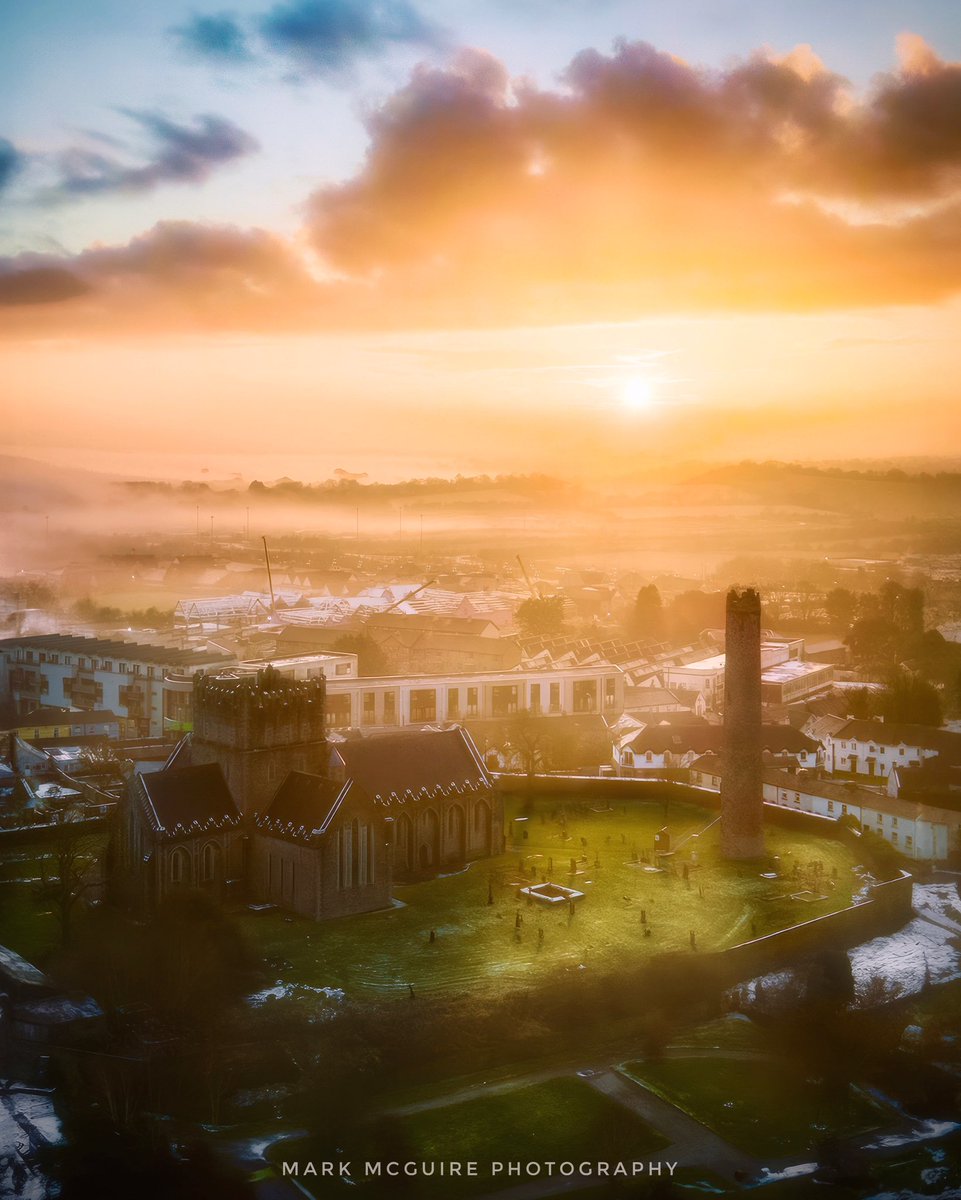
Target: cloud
(646, 184)
(217, 36)
(640, 185)
(179, 153)
(11, 161)
(314, 37)
(327, 36)
(38, 285)
(177, 275)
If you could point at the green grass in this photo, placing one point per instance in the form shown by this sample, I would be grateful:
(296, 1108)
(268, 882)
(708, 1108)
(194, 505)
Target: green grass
(731, 1032)
(26, 924)
(765, 1109)
(479, 947)
(560, 1120)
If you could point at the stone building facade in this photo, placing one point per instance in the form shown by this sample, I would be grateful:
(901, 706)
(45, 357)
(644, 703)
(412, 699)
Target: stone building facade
(257, 803)
(258, 728)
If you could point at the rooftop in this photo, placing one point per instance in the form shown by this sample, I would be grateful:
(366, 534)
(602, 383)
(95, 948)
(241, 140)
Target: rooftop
(66, 643)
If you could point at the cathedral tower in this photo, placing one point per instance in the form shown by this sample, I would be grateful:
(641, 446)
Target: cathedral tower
(259, 728)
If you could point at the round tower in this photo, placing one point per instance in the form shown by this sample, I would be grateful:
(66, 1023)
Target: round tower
(742, 834)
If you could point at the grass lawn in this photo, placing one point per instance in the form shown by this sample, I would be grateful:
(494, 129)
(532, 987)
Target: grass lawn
(762, 1108)
(27, 926)
(731, 1032)
(482, 947)
(560, 1120)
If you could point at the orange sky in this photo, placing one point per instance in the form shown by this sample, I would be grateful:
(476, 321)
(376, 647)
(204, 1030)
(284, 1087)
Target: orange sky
(649, 260)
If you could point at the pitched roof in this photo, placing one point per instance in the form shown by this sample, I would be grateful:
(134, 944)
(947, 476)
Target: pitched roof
(303, 807)
(703, 739)
(187, 800)
(396, 767)
(891, 733)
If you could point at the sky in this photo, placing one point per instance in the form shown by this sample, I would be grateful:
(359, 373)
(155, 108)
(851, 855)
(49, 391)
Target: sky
(410, 237)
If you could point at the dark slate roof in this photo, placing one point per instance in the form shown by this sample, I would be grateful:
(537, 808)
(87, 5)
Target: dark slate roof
(111, 649)
(188, 800)
(890, 733)
(499, 729)
(303, 807)
(397, 767)
(703, 739)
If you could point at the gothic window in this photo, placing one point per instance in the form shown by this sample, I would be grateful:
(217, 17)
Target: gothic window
(208, 862)
(179, 866)
(346, 857)
(363, 855)
(355, 852)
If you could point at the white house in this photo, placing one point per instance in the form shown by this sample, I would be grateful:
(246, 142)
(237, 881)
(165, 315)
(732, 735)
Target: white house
(874, 748)
(919, 831)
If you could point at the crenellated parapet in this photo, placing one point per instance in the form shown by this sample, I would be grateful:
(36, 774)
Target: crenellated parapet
(261, 711)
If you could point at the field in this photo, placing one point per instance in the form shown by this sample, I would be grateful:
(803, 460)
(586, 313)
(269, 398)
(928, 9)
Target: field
(559, 1120)
(484, 946)
(762, 1107)
(629, 908)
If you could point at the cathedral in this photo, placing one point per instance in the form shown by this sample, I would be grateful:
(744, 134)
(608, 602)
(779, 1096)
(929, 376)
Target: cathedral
(258, 804)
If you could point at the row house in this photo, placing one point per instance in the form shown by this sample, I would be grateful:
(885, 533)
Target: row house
(875, 748)
(919, 831)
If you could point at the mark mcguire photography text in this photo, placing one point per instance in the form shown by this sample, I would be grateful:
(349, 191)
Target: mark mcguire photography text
(475, 1168)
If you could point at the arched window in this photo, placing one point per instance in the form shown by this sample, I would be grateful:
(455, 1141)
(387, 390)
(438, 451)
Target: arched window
(209, 857)
(179, 866)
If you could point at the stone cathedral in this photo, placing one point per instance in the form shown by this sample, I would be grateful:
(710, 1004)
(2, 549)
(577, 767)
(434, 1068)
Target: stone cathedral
(258, 804)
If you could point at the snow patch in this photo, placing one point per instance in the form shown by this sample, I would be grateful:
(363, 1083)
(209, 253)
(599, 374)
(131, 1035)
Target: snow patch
(294, 991)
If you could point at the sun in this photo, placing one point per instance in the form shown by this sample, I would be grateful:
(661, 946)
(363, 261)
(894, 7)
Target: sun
(638, 394)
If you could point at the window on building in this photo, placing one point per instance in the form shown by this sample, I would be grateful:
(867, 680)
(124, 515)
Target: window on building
(894, 822)
(555, 697)
(342, 669)
(208, 862)
(453, 704)
(830, 806)
(472, 702)
(390, 708)
(894, 839)
(370, 707)
(179, 866)
(844, 810)
(909, 841)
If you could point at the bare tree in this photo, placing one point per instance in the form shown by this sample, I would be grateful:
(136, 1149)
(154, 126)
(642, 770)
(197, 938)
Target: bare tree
(70, 868)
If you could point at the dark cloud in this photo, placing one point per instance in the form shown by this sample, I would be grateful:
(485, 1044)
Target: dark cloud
(11, 161)
(38, 285)
(313, 37)
(217, 36)
(179, 154)
(179, 274)
(327, 36)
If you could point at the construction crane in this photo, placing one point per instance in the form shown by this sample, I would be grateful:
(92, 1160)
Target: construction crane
(535, 594)
(403, 599)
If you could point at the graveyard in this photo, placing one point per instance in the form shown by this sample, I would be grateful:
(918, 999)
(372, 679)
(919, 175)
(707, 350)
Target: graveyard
(480, 930)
